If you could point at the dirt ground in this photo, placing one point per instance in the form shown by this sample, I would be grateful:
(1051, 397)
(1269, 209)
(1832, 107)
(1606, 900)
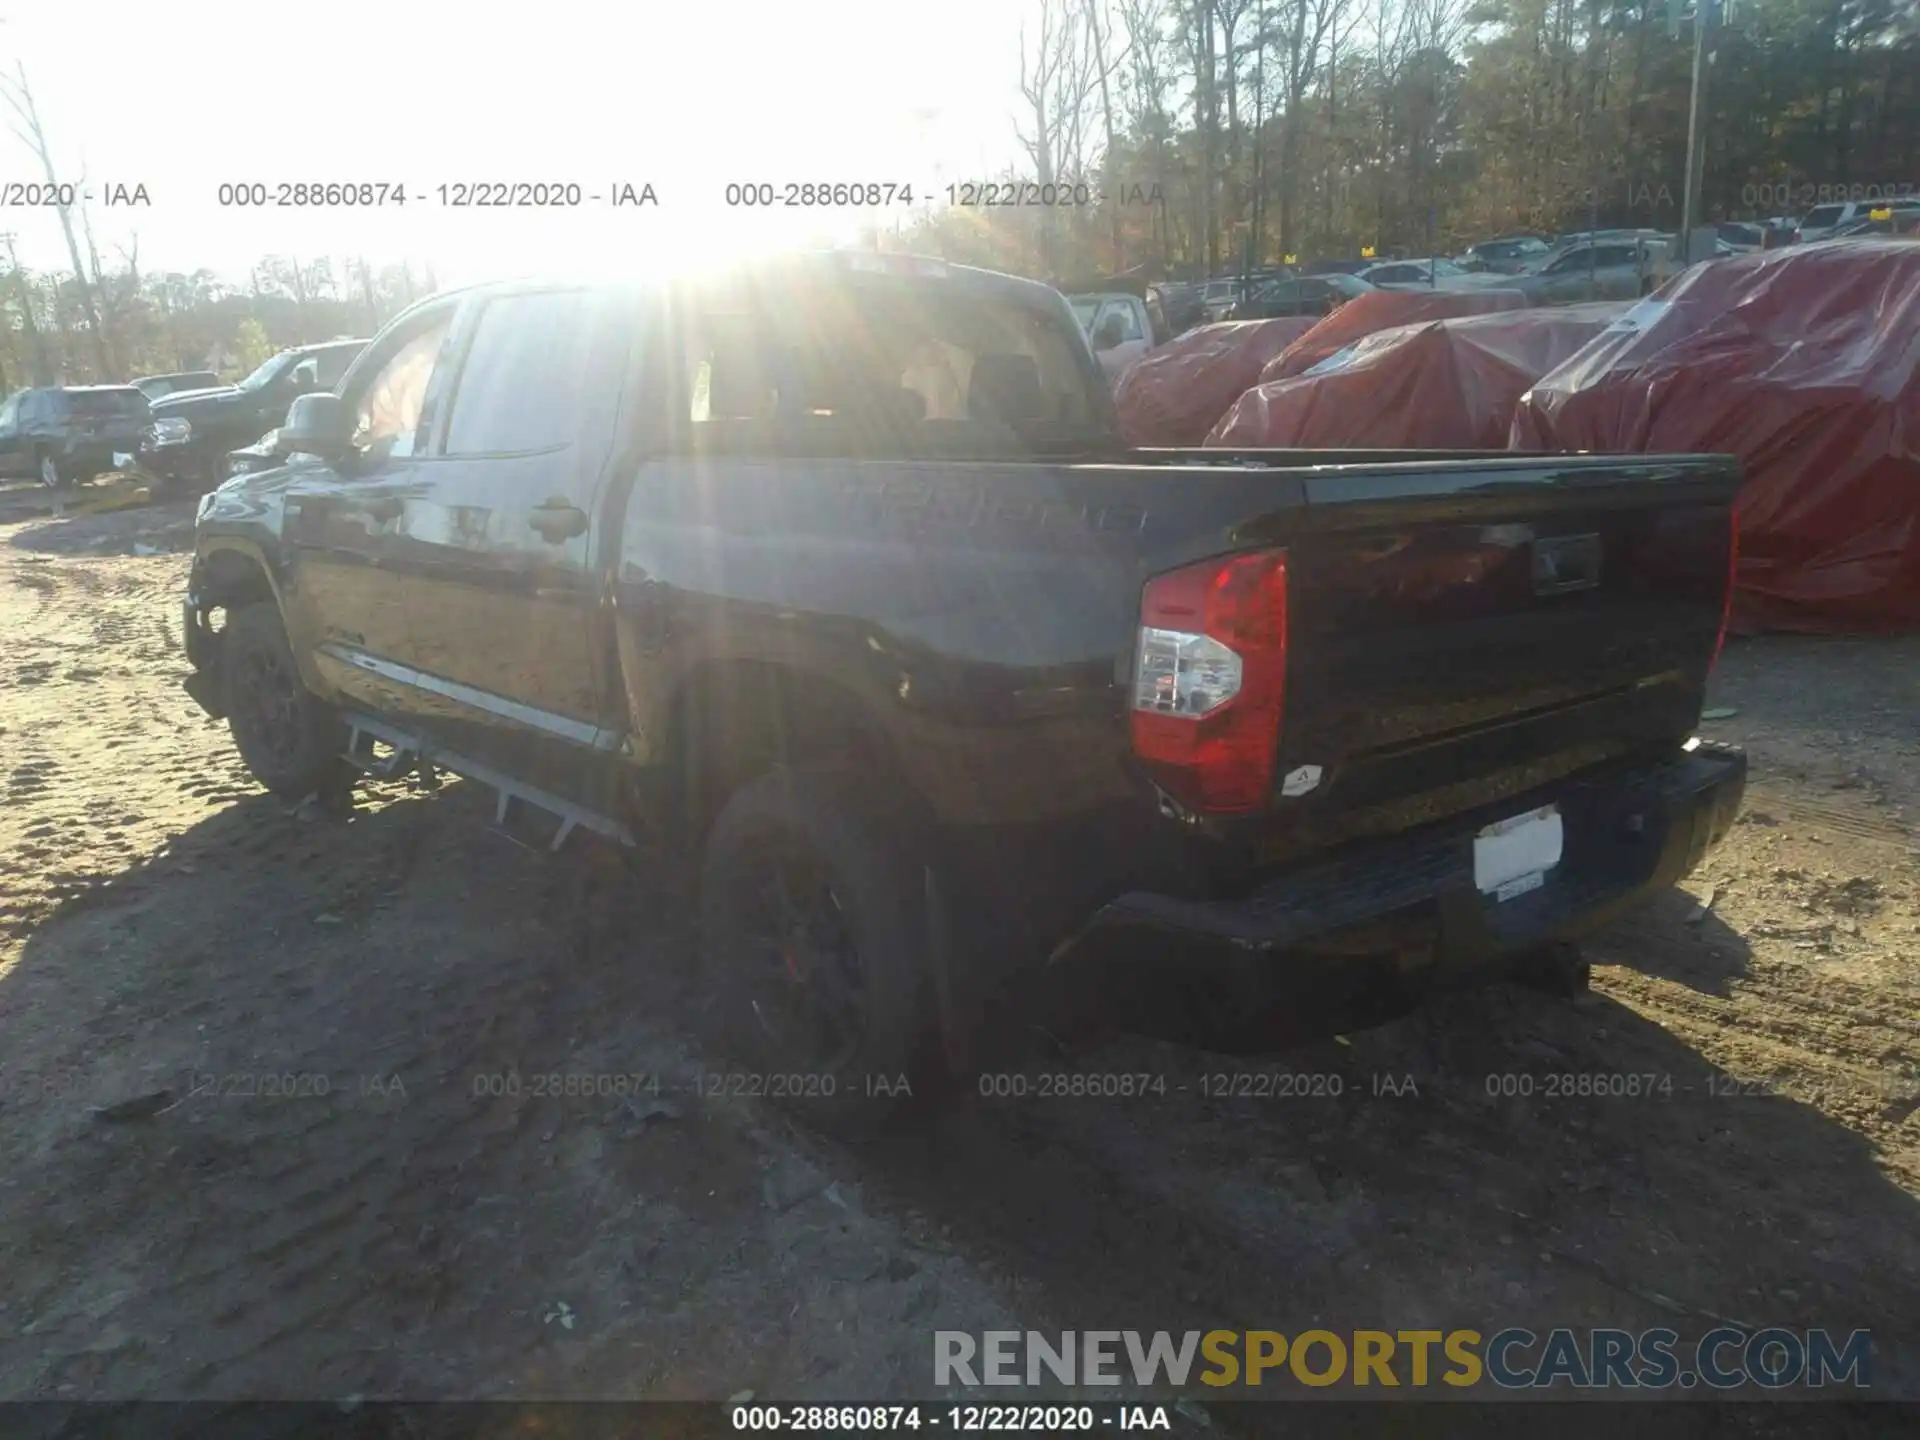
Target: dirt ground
(380, 1225)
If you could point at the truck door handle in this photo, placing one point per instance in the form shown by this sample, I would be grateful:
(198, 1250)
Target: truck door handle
(557, 520)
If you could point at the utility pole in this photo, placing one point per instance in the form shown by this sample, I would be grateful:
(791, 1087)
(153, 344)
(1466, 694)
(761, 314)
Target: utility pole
(1706, 24)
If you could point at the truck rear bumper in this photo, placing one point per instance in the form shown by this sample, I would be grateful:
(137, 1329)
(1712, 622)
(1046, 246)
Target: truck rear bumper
(1252, 973)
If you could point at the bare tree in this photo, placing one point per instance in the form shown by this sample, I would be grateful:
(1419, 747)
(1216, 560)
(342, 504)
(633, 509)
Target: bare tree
(42, 363)
(1101, 33)
(1056, 81)
(27, 127)
(1148, 80)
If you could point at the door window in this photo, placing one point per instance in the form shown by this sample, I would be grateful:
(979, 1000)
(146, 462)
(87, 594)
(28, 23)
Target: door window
(1125, 320)
(523, 384)
(331, 365)
(387, 416)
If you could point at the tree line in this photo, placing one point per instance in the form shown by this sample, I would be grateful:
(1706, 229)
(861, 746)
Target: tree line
(115, 323)
(1267, 128)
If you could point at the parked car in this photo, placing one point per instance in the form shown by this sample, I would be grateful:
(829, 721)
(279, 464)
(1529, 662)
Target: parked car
(1621, 269)
(1436, 273)
(1218, 297)
(1899, 217)
(1117, 326)
(1821, 221)
(155, 386)
(69, 434)
(1122, 320)
(1507, 256)
(1051, 718)
(1735, 238)
(1300, 295)
(1181, 306)
(192, 432)
(1336, 267)
(1563, 243)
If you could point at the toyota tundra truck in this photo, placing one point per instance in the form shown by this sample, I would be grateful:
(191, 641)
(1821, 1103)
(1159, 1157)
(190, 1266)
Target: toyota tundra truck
(833, 572)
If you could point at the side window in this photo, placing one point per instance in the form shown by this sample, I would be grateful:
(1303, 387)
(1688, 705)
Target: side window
(387, 416)
(1573, 259)
(521, 388)
(1123, 316)
(330, 365)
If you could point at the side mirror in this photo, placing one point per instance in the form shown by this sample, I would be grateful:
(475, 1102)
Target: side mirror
(317, 424)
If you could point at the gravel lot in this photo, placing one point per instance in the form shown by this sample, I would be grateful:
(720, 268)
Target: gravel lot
(168, 932)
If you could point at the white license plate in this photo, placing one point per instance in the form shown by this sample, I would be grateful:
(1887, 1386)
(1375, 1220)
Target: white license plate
(1513, 856)
(122, 460)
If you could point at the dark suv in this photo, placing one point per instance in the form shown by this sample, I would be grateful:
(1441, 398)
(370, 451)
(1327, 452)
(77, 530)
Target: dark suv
(193, 431)
(69, 434)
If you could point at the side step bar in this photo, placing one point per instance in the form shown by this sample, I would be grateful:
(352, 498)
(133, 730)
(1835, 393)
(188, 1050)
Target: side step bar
(410, 752)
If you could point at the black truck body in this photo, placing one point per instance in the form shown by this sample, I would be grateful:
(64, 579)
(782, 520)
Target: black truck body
(659, 576)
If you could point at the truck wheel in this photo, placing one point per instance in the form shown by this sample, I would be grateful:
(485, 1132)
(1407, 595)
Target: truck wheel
(814, 942)
(291, 741)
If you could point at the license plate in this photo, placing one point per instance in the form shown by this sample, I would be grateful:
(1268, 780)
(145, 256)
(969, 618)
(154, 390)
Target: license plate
(1513, 856)
(122, 460)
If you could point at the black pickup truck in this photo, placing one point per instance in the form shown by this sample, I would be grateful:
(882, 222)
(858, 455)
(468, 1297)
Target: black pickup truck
(192, 430)
(834, 572)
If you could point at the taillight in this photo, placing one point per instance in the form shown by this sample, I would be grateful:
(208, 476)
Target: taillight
(1733, 575)
(1209, 683)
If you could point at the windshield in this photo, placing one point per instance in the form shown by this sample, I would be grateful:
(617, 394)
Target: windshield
(1821, 216)
(265, 373)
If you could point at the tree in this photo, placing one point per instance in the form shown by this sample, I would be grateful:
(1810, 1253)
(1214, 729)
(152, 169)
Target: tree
(251, 347)
(26, 126)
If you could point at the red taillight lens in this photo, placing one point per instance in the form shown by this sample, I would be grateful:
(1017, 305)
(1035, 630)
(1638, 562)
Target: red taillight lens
(1209, 684)
(1733, 575)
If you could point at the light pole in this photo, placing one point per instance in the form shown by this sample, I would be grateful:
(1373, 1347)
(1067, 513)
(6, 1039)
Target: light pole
(1706, 23)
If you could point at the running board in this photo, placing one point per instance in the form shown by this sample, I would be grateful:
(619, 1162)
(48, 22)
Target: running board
(410, 752)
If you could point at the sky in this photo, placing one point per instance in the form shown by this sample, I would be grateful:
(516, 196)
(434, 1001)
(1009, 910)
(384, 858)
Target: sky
(418, 93)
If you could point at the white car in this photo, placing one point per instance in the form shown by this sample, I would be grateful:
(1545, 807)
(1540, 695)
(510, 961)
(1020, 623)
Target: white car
(1430, 274)
(1821, 221)
(1118, 327)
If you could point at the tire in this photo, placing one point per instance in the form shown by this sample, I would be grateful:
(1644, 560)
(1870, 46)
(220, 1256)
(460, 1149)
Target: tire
(814, 950)
(291, 740)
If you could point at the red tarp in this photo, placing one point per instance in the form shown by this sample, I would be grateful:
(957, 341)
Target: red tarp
(1173, 395)
(1438, 385)
(1381, 310)
(1803, 362)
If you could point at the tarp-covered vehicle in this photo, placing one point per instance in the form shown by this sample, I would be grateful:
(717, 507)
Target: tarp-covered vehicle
(1803, 362)
(1174, 395)
(1381, 310)
(1436, 385)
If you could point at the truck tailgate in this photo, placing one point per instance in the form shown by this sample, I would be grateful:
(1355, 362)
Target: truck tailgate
(1448, 646)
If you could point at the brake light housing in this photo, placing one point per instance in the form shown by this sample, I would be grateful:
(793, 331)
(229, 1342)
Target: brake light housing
(1210, 681)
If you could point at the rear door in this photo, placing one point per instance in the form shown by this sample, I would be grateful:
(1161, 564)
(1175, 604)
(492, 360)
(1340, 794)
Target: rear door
(500, 543)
